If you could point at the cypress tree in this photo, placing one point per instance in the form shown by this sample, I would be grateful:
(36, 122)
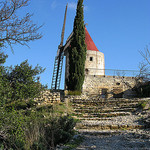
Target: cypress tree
(77, 51)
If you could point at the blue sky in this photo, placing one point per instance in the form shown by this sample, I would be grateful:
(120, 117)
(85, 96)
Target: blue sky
(119, 28)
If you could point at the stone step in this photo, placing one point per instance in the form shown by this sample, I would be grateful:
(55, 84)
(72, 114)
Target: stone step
(106, 100)
(108, 126)
(106, 104)
(93, 119)
(134, 104)
(109, 104)
(99, 132)
(111, 114)
(104, 110)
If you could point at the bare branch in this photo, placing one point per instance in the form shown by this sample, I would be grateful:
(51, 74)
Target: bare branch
(146, 55)
(145, 66)
(13, 29)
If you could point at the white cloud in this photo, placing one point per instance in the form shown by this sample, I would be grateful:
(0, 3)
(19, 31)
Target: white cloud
(73, 6)
(54, 4)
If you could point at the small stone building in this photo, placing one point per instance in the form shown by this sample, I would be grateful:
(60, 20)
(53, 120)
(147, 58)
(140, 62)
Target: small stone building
(96, 82)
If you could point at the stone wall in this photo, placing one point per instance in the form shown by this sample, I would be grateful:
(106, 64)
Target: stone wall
(109, 86)
(94, 64)
(48, 97)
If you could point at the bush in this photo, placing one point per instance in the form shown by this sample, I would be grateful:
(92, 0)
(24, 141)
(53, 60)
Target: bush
(22, 125)
(142, 104)
(58, 131)
(12, 127)
(35, 131)
(74, 92)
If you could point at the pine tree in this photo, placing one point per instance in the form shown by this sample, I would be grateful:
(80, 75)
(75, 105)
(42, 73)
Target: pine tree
(77, 51)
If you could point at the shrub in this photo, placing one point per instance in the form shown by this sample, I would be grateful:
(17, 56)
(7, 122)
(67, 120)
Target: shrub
(24, 81)
(13, 126)
(142, 104)
(58, 130)
(74, 92)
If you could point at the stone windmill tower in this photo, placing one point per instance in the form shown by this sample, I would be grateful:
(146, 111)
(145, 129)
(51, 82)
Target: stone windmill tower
(94, 64)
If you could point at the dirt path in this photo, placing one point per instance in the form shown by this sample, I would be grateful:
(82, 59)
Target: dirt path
(126, 140)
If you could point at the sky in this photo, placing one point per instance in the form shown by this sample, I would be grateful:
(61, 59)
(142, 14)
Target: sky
(119, 29)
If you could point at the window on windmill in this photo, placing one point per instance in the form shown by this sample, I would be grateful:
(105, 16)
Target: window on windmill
(91, 58)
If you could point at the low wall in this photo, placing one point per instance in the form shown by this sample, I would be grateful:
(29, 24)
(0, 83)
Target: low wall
(47, 97)
(109, 86)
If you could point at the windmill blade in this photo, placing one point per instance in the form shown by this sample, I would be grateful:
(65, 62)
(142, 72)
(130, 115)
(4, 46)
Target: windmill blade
(63, 29)
(59, 59)
(59, 51)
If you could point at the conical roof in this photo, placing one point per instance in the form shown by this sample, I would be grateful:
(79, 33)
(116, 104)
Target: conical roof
(89, 42)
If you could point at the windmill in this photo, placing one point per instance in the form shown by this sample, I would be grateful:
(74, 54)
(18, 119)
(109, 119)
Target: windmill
(56, 79)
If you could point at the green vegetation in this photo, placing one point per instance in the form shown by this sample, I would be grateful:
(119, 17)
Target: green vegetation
(74, 92)
(34, 130)
(143, 104)
(77, 52)
(19, 83)
(74, 143)
(143, 90)
(23, 124)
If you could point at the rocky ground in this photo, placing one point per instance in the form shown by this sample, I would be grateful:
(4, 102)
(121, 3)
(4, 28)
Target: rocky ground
(136, 139)
(124, 140)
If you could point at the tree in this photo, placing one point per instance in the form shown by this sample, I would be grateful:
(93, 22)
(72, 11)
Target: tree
(145, 65)
(77, 51)
(13, 29)
(24, 81)
(143, 89)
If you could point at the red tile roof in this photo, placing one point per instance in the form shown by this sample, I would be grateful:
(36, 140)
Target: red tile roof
(89, 42)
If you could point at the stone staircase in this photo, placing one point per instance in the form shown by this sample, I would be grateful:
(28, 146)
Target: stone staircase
(97, 114)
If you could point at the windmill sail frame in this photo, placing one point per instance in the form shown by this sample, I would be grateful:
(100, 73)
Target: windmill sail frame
(56, 79)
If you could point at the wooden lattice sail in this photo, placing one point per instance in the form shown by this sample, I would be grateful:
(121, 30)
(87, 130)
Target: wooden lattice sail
(56, 79)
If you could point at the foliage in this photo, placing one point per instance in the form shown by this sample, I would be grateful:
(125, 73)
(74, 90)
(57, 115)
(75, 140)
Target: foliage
(22, 126)
(13, 28)
(77, 52)
(35, 130)
(20, 83)
(74, 92)
(143, 90)
(4, 83)
(143, 104)
(12, 131)
(74, 143)
(23, 79)
(2, 58)
(20, 104)
(58, 130)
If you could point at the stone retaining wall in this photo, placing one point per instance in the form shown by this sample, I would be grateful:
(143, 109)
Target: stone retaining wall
(109, 86)
(48, 97)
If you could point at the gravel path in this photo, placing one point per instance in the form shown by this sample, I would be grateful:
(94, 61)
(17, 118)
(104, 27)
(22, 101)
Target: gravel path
(126, 140)
(120, 120)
